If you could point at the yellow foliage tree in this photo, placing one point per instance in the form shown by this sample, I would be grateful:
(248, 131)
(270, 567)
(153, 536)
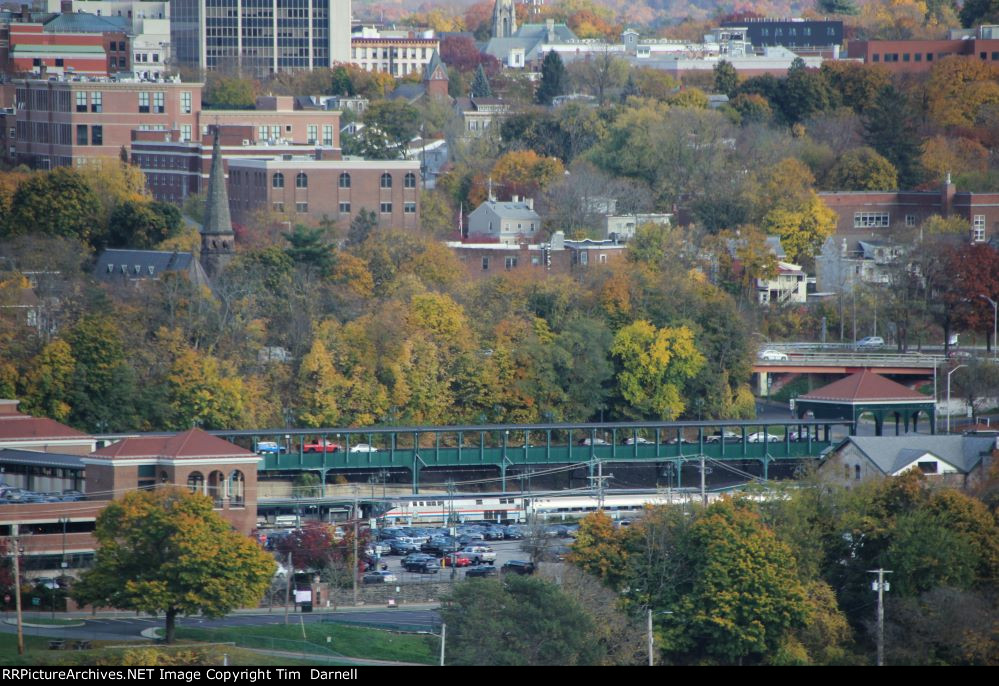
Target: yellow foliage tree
(943, 155)
(525, 172)
(958, 88)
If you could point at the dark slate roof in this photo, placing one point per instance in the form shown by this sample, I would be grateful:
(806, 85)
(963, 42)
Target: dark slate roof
(432, 65)
(39, 459)
(892, 453)
(83, 22)
(140, 264)
(408, 91)
(865, 386)
(217, 218)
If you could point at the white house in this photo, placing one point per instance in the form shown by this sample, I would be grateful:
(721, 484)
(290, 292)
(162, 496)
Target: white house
(505, 221)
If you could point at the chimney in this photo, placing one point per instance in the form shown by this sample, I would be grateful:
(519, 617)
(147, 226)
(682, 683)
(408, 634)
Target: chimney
(947, 192)
(8, 407)
(550, 30)
(530, 203)
(66, 6)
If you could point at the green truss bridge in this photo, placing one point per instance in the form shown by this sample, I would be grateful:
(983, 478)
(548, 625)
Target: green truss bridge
(506, 446)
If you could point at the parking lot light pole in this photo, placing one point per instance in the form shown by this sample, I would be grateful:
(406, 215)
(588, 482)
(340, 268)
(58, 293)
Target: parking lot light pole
(650, 638)
(995, 323)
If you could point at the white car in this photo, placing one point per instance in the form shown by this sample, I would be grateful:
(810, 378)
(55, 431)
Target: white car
(640, 441)
(363, 448)
(730, 437)
(773, 355)
(761, 437)
(871, 342)
(593, 441)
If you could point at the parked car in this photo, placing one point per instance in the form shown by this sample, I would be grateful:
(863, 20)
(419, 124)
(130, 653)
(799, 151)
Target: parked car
(480, 554)
(682, 440)
(730, 437)
(481, 572)
(593, 441)
(513, 533)
(761, 437)
(321, 446)
(457, 560)
(632, 440)
(374, 578)
(363, 448)
(773, 355)
(422, 567)
(269, 448)
(518, 567)
(871, 342)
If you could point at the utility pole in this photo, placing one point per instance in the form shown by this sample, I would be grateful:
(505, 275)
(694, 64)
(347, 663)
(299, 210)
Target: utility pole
(17, 588)
(704, 493)
(597, 483)
(356, 559)
(443, 636)
(881, 586)
(287, 587)
(651, 662)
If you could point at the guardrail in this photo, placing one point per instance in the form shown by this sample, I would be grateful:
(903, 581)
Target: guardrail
(854, 359)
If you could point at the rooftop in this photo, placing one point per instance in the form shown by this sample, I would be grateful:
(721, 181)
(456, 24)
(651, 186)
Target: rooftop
(865, 386)
(189, 444)
(893, 453)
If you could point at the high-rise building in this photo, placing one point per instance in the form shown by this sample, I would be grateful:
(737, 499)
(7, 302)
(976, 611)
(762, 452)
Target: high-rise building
(259, 36)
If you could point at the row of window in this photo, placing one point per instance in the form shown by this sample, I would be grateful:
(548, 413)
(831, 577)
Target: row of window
(96, 101)
(510, 262)
(344, 207)
(96, 135)
(302, 180)
(398, 53)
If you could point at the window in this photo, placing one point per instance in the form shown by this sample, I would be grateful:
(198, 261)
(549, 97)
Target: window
(918, 56)
(185, 102)
(385, 208)
(97, 135)
(409, 208)
(143, 103)
(312, 134)
(856, 472)
(81, 134)
(929, 57)
(584, 257)
(96, 101)
(485, 264)
(910, 220)
(185, 132)
(327, 135)
(278, 206)
(866, 220)
(345, 208)
(275, 132)
(81, 101)
(928, 467)
(344, 180)
(158, 103)
(410, 181)
(602, 259)
(386, 181)
(510, 262)
(301, 207)
(905, 57)
(875, 57)
(302, 180)
(277, 181)
(978, 228)
(261, 133)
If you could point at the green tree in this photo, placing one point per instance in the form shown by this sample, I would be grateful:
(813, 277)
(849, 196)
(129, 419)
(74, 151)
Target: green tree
(142, 225)
(653, 365)
(805, 92)
(837, 7)
(49, 382)
(56, 203)
(517, 621)
(167, 551)
(726, 78)
(389, 126)
(739, 596)
(103, 386)
(554, 79)
(862, 169)
(311, 248)
(229, 93)
(480, 84)
(361, 227)
(974, 12)
(891, 128)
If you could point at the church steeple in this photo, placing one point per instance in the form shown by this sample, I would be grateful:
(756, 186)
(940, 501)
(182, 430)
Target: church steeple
(217, 237)
(504, 19)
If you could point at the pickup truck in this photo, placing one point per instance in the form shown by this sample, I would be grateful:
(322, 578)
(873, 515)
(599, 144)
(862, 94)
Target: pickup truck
(321, 446)
(480, 554)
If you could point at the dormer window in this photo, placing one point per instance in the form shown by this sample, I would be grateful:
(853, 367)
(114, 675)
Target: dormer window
(110, 268)
(151, 269)
(124, 269)
(137, 269)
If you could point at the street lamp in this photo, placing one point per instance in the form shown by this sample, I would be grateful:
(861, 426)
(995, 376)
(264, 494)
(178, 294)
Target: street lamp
(650, 638)
(995, 323)
(948, 393)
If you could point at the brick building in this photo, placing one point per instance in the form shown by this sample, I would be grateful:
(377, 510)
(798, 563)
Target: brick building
(873, 214)
(69, 122)
(915, 56)
(334, 188)
(67, 43)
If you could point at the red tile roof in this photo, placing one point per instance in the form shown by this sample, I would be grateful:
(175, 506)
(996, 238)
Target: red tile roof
(22, 427)
(193, 443)
(865, 386)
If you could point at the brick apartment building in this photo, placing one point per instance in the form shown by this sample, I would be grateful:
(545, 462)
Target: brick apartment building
(176, 163)
(63, 43)
(398, 56)
(867, 214)
(335, 188)
(68, 122)
(918, 56)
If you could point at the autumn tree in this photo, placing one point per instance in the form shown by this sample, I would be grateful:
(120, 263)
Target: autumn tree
(167, 551)
(652, 366)
(726, 78)
(788, 207)
(601, 72)
(229, 93)
(56, 203)
(50, 382)
(142, 225)
(958, 88)
(319, 386)
(525, 173)
(862, 169)
(204, 392)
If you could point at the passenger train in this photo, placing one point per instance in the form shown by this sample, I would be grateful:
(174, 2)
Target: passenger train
(513, 508)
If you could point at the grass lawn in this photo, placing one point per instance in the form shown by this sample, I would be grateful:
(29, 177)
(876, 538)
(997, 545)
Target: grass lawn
(349, 641)
(47, 621)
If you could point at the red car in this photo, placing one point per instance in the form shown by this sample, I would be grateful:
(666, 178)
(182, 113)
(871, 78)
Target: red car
(457, 560)
(321, 446)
